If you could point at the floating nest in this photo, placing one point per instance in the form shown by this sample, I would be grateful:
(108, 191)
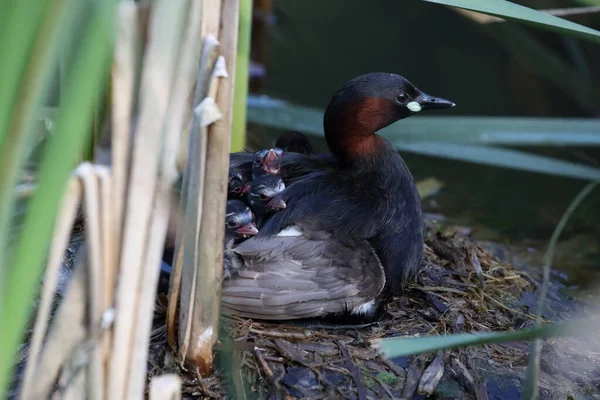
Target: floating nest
(462, 287)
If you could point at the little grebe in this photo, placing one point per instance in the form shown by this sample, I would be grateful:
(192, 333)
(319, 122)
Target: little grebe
(239, 224)
(352, 229)
(263, 196)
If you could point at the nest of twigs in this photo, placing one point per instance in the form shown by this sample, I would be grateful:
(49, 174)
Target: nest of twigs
(461, 288)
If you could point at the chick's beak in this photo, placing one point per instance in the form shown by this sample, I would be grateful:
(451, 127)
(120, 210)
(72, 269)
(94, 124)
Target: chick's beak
(428, 102)
(245, 188)
(277, 204)
(268, 163)
(248, 229)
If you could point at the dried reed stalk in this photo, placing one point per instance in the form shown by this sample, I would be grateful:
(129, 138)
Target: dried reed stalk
(160, 60)
(205, 317)
(68, 331)
(123, 100)
(212, 18)
(90, 181)
(205, 114)
(210, 52)
(191, 197)
(61, 236)
(182, 87)
(92, 184)
(128, 207)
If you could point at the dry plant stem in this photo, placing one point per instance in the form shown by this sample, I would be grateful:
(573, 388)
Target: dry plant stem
(68, 330)
(87, 174)
(431, 376)
(124, 74)
(159, 65)
(62, 232)
(210, 49)
(190, 204)
(210, 52)
(212, 18)
(145, 309)
(109, 248)
(187, 251)
(123, 98)
(183, 84)
(76, 389)
(205, 114)
(208, 291)
(165, 387)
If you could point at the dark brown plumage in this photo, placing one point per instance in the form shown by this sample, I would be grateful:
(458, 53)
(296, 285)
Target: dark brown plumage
(352, 228)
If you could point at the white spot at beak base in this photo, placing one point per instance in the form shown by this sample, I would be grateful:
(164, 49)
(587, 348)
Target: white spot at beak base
(414, 106)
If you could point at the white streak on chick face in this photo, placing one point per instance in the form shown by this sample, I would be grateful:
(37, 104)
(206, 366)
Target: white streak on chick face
(272, 191)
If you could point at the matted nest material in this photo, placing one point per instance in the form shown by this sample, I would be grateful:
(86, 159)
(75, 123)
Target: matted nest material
(461, 288)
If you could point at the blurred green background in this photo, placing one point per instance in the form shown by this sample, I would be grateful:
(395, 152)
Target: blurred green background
(500, 69)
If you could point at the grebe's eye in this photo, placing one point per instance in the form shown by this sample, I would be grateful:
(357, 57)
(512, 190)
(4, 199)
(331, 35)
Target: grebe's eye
(231, 223)
(237, 190)
(402, 97)
(263, 196)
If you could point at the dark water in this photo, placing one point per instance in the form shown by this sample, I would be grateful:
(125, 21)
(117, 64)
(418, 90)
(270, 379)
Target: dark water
(314, 47)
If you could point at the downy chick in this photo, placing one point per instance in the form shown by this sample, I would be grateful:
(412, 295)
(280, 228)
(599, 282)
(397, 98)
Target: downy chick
(245, 166)
(264, 162)
(239, 225)
(263, 196)
(240, 173)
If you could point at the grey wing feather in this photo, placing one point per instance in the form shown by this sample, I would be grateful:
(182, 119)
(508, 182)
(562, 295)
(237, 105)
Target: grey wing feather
(301, 277)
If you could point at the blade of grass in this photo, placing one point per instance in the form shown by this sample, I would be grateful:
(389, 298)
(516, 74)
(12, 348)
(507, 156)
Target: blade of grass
(404, 346)
(36, 78)
(475, 130)
(238, 129)
(504, 158)
(525, 15)
(431, 136)
(89, 71)
(19, 24)
(530, 389)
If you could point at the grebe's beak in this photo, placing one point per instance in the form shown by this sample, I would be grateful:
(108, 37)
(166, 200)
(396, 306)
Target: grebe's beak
(427, 102)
